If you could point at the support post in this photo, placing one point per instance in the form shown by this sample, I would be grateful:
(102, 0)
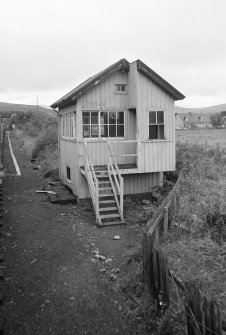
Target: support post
(166, 219)
(97, 201)
(121, 198)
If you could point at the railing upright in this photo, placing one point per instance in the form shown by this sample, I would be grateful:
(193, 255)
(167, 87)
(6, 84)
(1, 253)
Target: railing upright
(112, 165)
(93, 183)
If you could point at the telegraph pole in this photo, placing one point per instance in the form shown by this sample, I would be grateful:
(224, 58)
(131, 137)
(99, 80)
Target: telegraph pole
(37, 101)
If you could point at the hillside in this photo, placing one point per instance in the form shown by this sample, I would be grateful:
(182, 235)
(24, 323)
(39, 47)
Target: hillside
(6, 107)
(203, 110)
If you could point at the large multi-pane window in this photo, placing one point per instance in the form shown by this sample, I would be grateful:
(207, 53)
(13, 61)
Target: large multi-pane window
(103, 124)
(68, 125)
(156, 125)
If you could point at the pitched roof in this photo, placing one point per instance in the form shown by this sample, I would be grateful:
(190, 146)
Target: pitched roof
(193, 118)
(122, 65)
(143, 68)
(80, 90)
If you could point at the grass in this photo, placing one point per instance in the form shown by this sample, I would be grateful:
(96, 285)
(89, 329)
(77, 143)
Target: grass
(210, 137)
(196, 243)
(37, 134)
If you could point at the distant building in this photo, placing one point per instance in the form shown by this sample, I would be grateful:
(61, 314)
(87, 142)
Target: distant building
(192, 120)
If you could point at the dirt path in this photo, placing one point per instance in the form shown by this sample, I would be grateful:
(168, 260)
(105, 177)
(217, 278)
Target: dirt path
(53, 285)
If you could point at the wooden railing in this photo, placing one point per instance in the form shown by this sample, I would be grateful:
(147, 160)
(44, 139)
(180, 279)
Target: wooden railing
(124, 151)
(93, 183)
(116, 181)
(159, 221)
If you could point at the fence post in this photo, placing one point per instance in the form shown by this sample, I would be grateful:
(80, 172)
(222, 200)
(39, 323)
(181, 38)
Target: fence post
(166, 220)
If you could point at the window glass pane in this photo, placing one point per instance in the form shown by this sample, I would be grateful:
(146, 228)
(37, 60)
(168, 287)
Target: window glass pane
(94, 117)
(68, 173)
(86, 131)
(160, 117)
(104, 131)
(152, 117)
(117, 87)
(112, 117)
(123, 87)
(86, 117)
(153, 132)
(103, 118)
(94, 131)
(120, 117)
(120, 131)
(161, 132)
(112, 131)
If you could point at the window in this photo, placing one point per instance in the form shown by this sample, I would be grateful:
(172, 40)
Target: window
(97, 124)
(68, 173)
(120, 88)
(156, 125)
(68, 125)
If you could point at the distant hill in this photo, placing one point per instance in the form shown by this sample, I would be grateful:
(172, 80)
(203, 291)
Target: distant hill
(203, 110)
(6, 107)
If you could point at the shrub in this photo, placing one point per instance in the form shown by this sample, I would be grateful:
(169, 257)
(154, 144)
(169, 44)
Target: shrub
(46, 138)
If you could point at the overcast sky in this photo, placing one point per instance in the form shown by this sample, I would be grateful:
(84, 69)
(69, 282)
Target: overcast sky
(48, 47)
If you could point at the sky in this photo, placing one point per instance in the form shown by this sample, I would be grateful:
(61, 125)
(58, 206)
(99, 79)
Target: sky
(48, 47)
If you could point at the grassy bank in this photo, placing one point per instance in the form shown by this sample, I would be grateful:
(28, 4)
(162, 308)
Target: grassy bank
(196, 243)
(37, 134)
(210, 137)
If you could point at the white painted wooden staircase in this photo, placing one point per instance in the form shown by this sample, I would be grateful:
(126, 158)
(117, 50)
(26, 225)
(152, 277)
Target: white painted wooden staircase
(106, 189)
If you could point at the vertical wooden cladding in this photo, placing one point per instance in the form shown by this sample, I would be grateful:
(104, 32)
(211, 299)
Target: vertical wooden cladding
(97, 152)
(140, 183)
(103, 96)
(155, 155)
(69, 157)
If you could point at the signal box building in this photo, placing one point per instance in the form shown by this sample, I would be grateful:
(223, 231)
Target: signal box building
(116, 136)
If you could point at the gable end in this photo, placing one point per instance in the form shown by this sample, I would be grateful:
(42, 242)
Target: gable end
(143, 68)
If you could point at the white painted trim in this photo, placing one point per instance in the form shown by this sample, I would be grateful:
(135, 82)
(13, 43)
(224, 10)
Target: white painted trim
(14, 158)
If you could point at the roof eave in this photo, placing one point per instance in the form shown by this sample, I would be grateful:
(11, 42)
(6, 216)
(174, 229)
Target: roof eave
(122, 65)
(143, 68)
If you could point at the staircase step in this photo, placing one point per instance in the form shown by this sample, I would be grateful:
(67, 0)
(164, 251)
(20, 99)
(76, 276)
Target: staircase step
(104, 182)
(111, 223)
(104, 202)
(105, 173)
(106, 195)
(104, 188)
(106, 209)
(109, 216)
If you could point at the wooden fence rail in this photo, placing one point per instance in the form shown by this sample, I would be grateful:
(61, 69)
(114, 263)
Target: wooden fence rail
(203, 315)
(156, 272)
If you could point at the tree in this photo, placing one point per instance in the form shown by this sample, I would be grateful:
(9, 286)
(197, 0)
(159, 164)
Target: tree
(217, 120)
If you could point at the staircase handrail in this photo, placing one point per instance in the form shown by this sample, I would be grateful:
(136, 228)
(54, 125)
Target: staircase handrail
(112, 167)
(92, 181)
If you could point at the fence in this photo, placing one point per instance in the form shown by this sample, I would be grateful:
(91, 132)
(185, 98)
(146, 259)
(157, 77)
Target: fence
(203, 315)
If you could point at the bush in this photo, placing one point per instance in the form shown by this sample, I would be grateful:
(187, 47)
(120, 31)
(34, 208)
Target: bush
(32, 123)
(46, 138)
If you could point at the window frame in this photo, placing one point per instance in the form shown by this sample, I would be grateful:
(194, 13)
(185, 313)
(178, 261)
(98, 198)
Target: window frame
(68, 125)
(99, 137)
(68, 173)
(120, 91)
(157, 124)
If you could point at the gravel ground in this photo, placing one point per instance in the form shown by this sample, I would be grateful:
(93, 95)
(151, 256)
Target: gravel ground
(53, 283)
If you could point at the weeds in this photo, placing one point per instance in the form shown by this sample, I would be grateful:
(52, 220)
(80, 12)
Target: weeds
(196, 243)
(37, 134)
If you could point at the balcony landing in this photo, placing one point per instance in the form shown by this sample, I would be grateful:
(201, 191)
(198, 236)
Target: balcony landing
(123, 168)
